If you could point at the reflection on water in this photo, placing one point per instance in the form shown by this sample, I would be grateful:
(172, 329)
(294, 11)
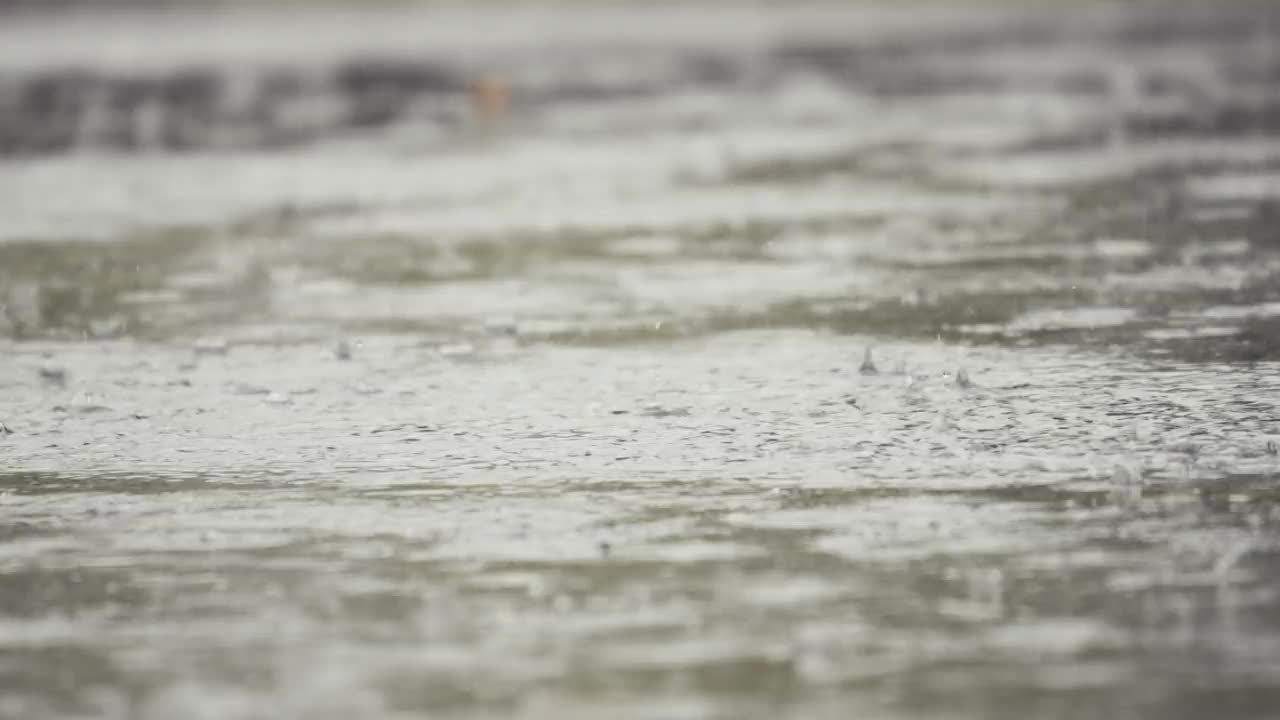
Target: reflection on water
(323, 397)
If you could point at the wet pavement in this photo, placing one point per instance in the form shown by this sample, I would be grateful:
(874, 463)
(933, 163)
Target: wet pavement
(641, 363)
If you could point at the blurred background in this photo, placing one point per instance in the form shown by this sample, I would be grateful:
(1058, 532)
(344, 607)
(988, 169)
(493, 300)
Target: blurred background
(639, 360)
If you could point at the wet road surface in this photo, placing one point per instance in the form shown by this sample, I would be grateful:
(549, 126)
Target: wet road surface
(806, 363)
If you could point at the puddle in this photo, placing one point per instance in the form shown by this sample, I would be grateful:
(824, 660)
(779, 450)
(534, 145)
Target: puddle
(323, 393)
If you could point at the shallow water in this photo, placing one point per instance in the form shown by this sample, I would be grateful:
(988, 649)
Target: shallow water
(324, 397)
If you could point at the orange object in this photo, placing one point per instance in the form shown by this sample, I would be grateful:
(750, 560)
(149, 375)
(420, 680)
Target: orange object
(490, 97)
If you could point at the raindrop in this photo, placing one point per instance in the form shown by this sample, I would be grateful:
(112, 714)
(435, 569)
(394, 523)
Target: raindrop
(276, 398)
(87, 403)
(962, 379)
(868, 364)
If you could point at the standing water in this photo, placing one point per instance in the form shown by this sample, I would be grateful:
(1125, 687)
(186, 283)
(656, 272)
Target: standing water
(649, 363)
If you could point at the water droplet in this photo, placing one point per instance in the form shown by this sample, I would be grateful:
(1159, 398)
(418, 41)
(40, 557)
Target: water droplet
(86, 403)
(868, 366)
(962, 379)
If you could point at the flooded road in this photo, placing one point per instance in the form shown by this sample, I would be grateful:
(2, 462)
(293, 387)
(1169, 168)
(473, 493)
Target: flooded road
(641, 363)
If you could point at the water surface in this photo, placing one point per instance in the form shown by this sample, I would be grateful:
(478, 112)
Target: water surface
(327, 394)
